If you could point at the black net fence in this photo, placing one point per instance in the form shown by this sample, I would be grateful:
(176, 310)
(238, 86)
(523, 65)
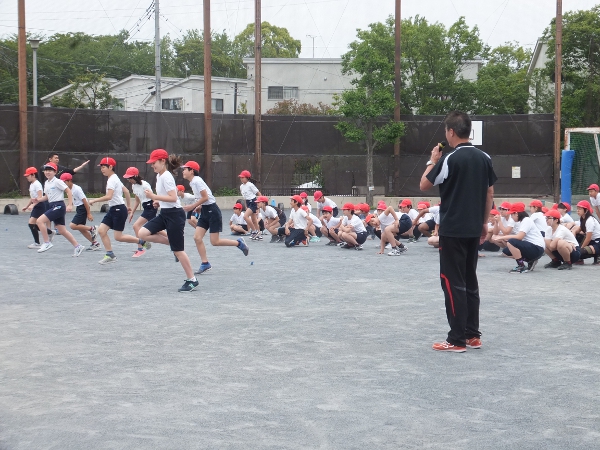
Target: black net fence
(298, 153)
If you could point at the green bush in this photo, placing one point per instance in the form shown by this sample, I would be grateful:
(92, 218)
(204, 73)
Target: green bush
(226, 192)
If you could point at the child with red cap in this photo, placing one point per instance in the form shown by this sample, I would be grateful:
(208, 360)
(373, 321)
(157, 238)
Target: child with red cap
(594, 199)
(330, 225)
(537, 215)
(270, 217)
(249, 193)
(36, 192)
(352, 228)
(503, 225)
(82, 213)
(139, 187)
(406, 207)
(561, 246)
(589, 231)
(237, 224)
(323, 201)
(564, 209)
(296, 228)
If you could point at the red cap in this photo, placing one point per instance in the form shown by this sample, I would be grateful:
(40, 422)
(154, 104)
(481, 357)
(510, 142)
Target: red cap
(517, 207)
(421, 206)
(30, 171)
(66, 176)
(303, 195)
(51, 165)
(157, 154)
(192, 165)
(297, 198)
(180, 187)
(245, 174)
(262, 198)
(427, 204)
(304, 208)
(327, 208)
(494, 212)
(555, 206)
(585, 204)
(317, 195)
(545, 210)
(506, 205)
(566, 206)
(131, 172)
(369, 217)
(363, 207)
(348, 206)
(238, 206)
(594, 187)
(381, 205)
(107, 162)
(553, 213)
(536, 203)
(406, 202)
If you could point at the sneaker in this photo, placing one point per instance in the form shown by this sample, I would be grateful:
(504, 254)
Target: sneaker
(92, 248)
(34, 245)
(474, 343)
(341, 244)
(254, 237)
(331, 243)
(107, 260)
(566, 266)
(303, 242)
(447, 347)
(579, 263)
(519, 269)
(259, 237)
(274, 239)
(411, 240)
(138, 253)
(188, 286)
(56, 232)
(552, 264)
(531, 265)
(94, 232)
(397, 251)
(147, 245)
(50, 235)
(242, 246)
(358, 247)
(204, 267)
(315, 239)
(78, 250)
(388, 246)
(45, 247)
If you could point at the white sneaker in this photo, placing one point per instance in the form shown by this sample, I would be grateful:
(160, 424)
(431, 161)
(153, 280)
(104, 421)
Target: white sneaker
(78, 250)
(388, 246)
(34, 245)
(45, 246)
(107, 260)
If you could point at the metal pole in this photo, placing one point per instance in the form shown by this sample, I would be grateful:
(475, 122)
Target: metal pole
(257, 91)
(157, 98)
(235, 94)
(313, 42)
(557, 99)
(35, 96)
(22, 56)
(207, 96)
(397, 78)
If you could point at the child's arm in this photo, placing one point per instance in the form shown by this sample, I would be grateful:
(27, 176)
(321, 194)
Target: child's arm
(194, 206)
(87, 209)
(70, 198)
(105, 198)
(127, 198)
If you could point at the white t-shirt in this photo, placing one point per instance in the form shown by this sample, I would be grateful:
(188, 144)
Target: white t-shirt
(561, 232)
(333, 222)
(413, 214)
(115, 184)
(139, 190)
(198, 185)
(187, 199)
(268, 213)
(316, 222)
(507, 222)
(78, 195)
(248, 191)
(435, 212)
(299, 218)
(532, 234)
(595, 201)
(539, 220)
(591, 224)
(566, 218)
(426, 217)
(238, 220)
(326, 202)
(34, 188)
(386, 220)
(164, 184)
(355, 222)
(55, 190)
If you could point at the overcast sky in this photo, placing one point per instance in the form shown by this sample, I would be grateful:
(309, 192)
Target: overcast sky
(333, 22)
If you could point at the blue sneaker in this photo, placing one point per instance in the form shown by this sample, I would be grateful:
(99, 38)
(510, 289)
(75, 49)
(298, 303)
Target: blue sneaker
(188, 286)
(242, 246)
(204, 267)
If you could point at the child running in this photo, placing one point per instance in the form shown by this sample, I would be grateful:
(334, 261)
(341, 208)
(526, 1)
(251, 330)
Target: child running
(82, 213)
(249, 192)
(139, 186)
(117, 213)
(54, 194)
(171, 217)
(36, 192)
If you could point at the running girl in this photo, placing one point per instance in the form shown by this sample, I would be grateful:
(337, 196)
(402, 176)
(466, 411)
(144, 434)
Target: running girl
(139, 186)
(352, 228)
(82, 213)
(36, 192)
(249, 192)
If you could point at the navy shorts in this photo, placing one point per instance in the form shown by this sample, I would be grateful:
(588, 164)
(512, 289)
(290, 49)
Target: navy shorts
(296, 236)
(575, 255)
(116, 217)
(245, 227)
(431, 224)
(190, 214)
(251, 205)
(56, 213)
(80, 217)
(148, 211)
(361, 237)
(210, 218)
(38, 210)
(172, 220)
(282, 218)
(529, 251)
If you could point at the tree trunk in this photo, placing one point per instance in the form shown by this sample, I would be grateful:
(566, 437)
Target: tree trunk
(369, 142)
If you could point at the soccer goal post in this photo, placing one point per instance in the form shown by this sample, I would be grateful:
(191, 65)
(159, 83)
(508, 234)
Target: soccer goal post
(584, 142)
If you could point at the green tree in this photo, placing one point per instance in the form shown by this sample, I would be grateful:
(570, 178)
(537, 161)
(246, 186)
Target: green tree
(581, 66)
(89, 91)
(276, 42)
(293, 108)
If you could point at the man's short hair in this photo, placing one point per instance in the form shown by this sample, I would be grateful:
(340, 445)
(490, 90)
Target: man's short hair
(460, 123)
(51, 155)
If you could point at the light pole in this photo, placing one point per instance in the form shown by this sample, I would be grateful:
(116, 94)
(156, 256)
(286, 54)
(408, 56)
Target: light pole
(313, 39)
(35, 44)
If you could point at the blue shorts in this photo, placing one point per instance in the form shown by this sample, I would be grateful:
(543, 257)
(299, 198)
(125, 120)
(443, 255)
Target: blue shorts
(56, 213)
(148, 211)
(172, 220)
(38, 210)
(80, 217)
(210, 218)
(361, 237)
(251, 205)
(116, 217)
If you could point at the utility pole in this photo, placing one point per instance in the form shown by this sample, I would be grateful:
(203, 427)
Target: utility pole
(397, 75)
(157, 99)
(257, 91)
(313, 39)
(235, 95)
(22, 56)
(557, 98)
(207, 96)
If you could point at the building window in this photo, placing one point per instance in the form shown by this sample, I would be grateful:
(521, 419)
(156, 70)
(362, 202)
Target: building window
(217, 105)
(172, 104)
(282, 92)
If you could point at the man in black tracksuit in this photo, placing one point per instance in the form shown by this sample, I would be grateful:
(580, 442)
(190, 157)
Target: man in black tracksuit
(465, 176)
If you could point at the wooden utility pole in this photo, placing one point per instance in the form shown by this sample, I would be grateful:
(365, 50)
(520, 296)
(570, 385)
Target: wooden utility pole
(257, 92)
(157, 68)
(397, 75)
(22, 56)
(207, 96)
(557, 99)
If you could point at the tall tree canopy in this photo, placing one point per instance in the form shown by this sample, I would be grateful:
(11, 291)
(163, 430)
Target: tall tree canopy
(276, 42)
